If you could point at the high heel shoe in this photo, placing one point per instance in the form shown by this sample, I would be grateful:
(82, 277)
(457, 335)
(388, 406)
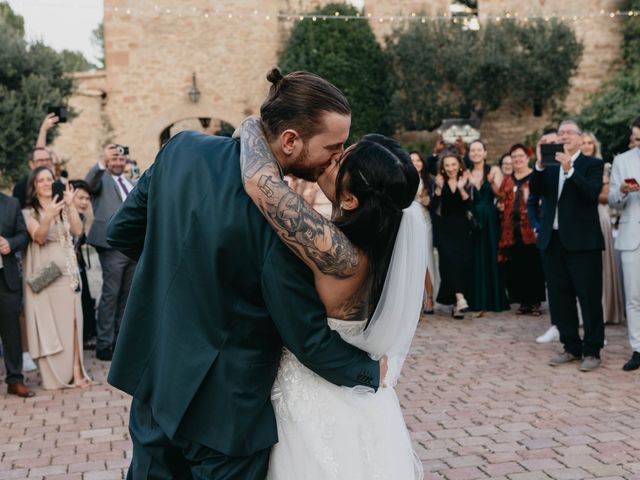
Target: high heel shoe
(426, 310)
(457, 313)
(462, 305)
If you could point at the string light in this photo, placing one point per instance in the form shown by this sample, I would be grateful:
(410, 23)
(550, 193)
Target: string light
(511, 16)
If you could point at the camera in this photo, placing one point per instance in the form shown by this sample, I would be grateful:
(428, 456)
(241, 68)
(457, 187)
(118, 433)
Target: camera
(122, 149)
(60, 112)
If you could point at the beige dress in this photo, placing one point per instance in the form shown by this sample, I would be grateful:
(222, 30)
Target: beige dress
(50, 314)
(612, 304)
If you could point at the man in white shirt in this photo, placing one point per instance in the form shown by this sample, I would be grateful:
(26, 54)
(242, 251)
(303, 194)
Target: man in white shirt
(624, 194)
(109, 188)
(571, 244)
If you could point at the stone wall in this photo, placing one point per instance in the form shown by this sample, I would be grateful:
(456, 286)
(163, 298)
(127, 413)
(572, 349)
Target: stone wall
(151, 58)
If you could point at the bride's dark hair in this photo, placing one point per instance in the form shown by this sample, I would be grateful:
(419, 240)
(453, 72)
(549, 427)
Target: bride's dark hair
(382, 177)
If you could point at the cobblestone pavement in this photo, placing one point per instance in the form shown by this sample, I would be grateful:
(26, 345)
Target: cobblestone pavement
(477, 394)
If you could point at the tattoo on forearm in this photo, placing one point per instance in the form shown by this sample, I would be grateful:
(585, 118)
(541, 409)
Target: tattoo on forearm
(305, 231)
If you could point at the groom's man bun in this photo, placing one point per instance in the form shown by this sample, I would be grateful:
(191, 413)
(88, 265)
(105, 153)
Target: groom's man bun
(297, 101)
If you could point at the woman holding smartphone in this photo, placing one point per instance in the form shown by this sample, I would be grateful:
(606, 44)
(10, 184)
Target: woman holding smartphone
(53, 315)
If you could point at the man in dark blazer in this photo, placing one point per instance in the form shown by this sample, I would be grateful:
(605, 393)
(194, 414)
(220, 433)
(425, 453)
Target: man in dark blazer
(109, 187)
(13, 238)
(215, 297)
(571, 244)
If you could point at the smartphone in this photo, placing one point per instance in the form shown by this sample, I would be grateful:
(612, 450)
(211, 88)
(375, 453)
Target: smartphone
(122, 149)
(57, 190)
(631, 182)
(548, 153)
(60, 112)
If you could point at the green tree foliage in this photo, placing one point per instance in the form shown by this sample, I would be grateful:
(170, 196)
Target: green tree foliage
(443, 70)
(348, 55)
(75, 61)
(613, 107)
(612, 110)
(31, 78)
(14, 22)
(97, 40)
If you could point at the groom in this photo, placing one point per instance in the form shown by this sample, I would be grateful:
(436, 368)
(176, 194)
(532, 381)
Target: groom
(216, 295)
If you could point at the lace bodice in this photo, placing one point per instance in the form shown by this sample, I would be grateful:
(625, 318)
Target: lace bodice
(346, 328)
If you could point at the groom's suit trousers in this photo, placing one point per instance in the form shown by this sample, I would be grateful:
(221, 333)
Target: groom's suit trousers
(158, 457)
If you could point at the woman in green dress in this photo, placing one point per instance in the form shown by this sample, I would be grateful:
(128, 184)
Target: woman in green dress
(488, 292)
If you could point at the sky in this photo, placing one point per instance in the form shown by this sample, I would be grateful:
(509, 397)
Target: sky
(68, 23)
(61, 23)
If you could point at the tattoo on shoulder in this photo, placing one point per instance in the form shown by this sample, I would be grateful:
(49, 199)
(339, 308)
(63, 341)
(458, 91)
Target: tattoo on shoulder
(304, 230)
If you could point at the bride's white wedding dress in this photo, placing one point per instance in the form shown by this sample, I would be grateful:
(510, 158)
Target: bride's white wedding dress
(327, 432)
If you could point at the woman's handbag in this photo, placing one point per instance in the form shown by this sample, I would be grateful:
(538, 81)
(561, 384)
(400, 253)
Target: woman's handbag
(44, 277)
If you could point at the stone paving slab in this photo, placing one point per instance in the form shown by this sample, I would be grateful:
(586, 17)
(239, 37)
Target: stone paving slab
(477, 395)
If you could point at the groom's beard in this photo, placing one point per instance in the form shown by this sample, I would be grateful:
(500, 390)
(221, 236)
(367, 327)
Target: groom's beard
(301, 168)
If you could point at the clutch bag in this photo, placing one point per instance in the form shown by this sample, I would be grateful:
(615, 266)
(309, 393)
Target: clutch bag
(43, 277)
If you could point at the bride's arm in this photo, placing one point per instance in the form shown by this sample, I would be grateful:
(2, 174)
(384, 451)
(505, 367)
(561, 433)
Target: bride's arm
(317, 241)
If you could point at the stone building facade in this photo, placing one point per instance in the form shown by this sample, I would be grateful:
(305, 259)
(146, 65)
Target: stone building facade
(152, 51)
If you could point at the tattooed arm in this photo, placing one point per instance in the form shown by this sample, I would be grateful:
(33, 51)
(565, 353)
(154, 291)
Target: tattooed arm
(317, 241)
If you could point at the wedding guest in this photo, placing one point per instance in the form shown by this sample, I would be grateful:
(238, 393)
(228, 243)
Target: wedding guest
(506, 164)
(612, 303)
(624, 194)
(132, 171)
(54, 314)
(82, 202)
(451, 202)
(549, 135)
(109, 188)
(571, 245)
(634, 137)
(518, 239)
(487, 288)
(38, 157)
(424, 197)
(13, 238)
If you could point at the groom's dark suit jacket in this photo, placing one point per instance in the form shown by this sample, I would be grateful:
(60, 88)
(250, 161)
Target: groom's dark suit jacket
(215, 296)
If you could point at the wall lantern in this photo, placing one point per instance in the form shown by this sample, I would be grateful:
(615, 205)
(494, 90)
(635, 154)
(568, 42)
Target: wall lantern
(194, 93)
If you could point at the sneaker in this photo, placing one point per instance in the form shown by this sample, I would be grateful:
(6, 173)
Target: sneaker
(589, 363)
(562, 358)
(28, 365)
(551, 335)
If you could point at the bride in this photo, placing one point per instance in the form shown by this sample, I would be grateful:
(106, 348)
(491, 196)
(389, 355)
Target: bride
(373, 300)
